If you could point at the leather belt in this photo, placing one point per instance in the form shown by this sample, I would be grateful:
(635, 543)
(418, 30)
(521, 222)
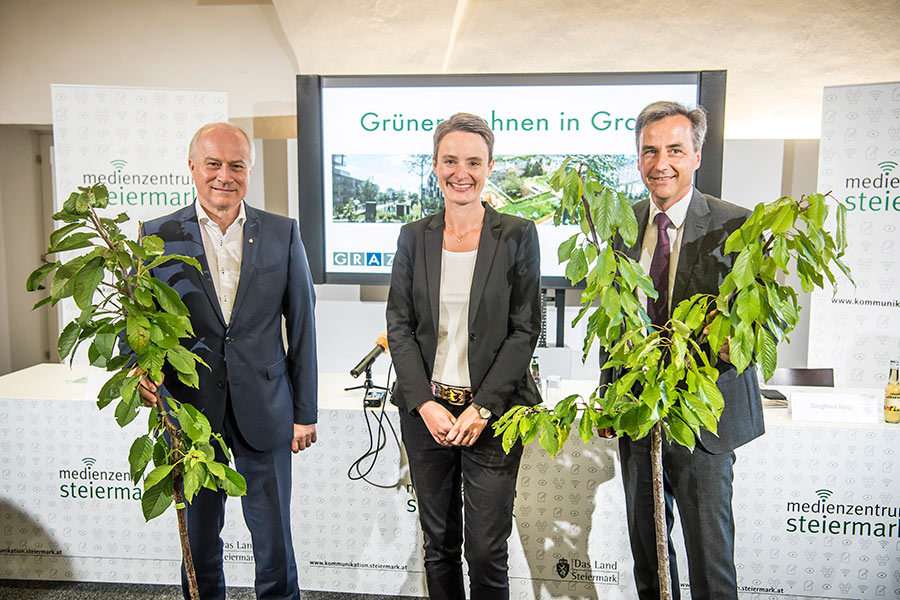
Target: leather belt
(458, 396)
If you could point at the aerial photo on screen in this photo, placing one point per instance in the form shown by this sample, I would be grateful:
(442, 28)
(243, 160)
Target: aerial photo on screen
(379, 188)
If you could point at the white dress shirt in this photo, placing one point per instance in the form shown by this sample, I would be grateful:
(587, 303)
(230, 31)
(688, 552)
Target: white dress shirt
(451, 360)
(223, 255)
(677, 214)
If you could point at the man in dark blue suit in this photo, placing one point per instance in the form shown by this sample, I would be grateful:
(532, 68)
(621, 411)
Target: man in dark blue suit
(680, 243)
(259, 392)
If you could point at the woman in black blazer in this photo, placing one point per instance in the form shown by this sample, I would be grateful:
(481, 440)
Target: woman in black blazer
(463, 318)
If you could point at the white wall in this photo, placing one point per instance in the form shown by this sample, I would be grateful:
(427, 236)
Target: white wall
(188, 44)
(779, 55)
(23, 244)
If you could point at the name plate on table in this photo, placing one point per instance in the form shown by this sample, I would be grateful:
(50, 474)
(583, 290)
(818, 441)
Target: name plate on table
(836, 405)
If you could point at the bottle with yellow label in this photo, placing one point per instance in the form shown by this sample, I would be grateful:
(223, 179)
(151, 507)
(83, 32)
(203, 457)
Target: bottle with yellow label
(892, 394)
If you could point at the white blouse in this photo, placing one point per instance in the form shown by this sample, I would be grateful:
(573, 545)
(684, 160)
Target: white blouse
(451, 361)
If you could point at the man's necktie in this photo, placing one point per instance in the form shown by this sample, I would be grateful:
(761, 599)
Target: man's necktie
(658, 310)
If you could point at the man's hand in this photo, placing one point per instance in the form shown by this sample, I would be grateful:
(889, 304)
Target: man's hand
(467, 428)
(147, 387)
(304, 437)
(606, 432)
(438, 420)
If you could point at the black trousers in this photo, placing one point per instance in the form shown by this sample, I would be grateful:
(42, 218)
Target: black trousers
(701, 484)
(266, 508)
(465, 499)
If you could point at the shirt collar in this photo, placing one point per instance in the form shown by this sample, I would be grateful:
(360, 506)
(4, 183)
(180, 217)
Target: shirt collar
(204, 219)
(677, 213)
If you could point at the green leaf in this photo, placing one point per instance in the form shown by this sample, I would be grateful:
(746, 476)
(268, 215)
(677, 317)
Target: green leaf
(549, 436)
(198, 429)
(157, 475)
(67, 339)
(628, 225)
(577, 267)
(140, 454)
(191, 482)
(784, 219)
(741, 346)
(181, 359)
(817, 211)
(510, 435)
(170, 301)
(76, 241)
(101, 196)
(735, 242)
(169, 257)
(603, 209)
(585, 427)
(233, 482)
(780, 253)
(565, 249)
(152, 244)
(747, 265)
(110, 390)
(127, 409)
(38, 275)
(607, 266)
(681, 432)
(105, 343)
(137, 250)
(766, 352)
(156, 499)
(63, 231)
(137, 332)
(85, 282)
(748, 304)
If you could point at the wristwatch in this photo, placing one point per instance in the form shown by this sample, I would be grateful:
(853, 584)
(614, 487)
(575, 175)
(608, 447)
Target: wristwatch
(483, 412)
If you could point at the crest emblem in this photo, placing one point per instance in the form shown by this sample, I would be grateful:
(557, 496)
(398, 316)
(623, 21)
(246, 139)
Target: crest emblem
(562, 568)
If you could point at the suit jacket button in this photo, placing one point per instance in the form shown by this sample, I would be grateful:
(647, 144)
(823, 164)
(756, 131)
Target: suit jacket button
(228, 340)
(221, 385)
(471, 337)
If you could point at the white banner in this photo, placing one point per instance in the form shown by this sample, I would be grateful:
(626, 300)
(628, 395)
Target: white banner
(857, 331)
(135, 141)
(816, 508)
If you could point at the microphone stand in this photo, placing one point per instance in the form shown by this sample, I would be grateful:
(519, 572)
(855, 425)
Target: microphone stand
(374, 395)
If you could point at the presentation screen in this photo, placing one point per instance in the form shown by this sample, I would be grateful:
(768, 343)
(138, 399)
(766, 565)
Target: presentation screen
(365, 153)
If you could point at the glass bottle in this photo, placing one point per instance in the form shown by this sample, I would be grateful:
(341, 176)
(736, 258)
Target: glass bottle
(892, 394)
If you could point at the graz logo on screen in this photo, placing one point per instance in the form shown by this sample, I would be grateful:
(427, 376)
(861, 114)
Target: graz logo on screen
(86, 482)
(363, 259)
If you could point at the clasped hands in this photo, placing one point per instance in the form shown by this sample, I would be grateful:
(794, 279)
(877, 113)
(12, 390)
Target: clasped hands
(448, 430)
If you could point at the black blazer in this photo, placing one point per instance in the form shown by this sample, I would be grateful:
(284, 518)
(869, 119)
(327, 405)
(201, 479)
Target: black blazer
(504, 311)
(702, 265)
(271, 387)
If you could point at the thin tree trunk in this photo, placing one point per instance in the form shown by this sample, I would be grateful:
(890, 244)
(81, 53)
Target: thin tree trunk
(659, 513)
(178, 482)
(178, 493)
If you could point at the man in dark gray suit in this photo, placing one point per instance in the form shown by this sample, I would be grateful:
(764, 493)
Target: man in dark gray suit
(258, 392)
(680, 243)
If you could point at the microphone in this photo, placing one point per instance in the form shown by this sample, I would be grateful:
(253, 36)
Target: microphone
(381, 345)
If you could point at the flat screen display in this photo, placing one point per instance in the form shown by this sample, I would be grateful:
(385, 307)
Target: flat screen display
(365, 153)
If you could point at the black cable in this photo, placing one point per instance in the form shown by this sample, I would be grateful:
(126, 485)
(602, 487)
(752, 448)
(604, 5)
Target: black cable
(378, 444)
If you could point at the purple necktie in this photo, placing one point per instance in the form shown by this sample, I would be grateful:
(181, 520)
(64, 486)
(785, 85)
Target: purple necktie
(658, 310)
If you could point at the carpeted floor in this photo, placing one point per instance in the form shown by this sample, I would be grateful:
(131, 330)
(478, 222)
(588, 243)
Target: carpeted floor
(68, 590)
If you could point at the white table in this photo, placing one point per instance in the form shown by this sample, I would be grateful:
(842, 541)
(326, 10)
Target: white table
(350, 536)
